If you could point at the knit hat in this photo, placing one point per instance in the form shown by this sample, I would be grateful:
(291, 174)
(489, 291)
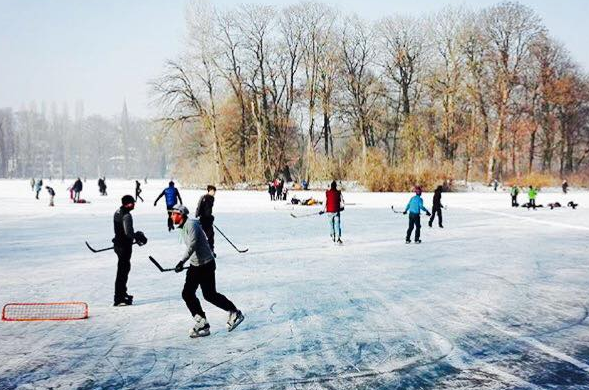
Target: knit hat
(180, 209)
(127, 199)
(418, 190)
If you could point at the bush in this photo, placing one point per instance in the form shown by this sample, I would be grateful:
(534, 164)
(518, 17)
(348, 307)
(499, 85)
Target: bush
(380, 177)
(536, 180)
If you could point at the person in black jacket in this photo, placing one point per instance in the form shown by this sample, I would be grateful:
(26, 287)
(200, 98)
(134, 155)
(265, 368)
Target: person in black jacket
(437, 207)
(125, 236)
(77, 189)
(51, 195)
(138, 191)
(204, 212)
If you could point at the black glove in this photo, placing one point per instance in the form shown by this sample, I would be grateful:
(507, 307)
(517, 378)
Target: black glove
(428, 214)
(179, 267)
(405, 212)
(155, 203)
(140, 238)
(321, 212)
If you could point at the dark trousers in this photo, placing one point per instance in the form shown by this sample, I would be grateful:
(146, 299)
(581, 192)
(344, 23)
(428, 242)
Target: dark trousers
(137, 196)
(514, 201)
(207, 227)
(438, 211)
(533, 202)
(123, 268)
(414, 222)
(203, 276)
(170, 223)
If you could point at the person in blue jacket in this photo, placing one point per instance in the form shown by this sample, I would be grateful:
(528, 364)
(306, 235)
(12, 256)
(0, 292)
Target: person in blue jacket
(172, 198)
(414, 208)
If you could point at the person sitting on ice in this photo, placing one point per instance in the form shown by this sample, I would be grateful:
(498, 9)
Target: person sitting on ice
(572, 205)
(554, 205)
(414, 207)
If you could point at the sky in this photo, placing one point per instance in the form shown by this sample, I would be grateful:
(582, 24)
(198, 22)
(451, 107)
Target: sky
(104, 52)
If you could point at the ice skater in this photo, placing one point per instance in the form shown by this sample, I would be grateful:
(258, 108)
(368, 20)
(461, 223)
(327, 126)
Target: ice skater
(38, 187)
(514, 193)
(532, 194)
(437, 207)
(200, 273)
(51, 195)
(172, 197)
(138, 191)
(125, 235)
(334, 205)
(77, 187)
(204, 213)
(414, 208)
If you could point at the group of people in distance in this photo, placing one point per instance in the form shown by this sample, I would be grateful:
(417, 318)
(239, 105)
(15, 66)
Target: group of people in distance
(277, 189)
(198, 236)
(533, 194)
(334, 205)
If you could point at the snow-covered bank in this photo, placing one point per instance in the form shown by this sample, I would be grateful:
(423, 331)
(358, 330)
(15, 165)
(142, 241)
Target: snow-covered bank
(496, 300)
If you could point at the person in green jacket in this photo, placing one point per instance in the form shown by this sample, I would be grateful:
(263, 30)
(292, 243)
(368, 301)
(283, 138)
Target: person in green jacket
(532, 193)
(514, 194)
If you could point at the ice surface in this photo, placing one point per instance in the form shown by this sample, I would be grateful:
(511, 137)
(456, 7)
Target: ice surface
(496, 300)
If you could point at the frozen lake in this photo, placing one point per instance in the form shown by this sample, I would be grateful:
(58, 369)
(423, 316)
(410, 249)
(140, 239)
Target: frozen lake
(497, 300)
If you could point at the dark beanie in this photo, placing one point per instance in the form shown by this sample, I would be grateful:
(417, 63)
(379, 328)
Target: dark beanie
(127, 199)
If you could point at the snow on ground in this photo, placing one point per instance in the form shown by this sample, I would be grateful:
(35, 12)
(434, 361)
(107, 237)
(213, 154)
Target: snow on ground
(496, 300)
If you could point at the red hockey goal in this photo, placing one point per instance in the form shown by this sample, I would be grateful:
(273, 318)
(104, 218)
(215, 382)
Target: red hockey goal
(55, 311)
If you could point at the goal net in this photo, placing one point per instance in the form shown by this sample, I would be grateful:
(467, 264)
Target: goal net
(56, 311)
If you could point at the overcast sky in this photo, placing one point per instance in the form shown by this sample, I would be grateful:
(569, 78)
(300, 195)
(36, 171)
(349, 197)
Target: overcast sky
(105, 51)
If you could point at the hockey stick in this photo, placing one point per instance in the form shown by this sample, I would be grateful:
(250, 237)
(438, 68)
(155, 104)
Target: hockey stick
(229, 241)
(103, 249)
(395, 211)
(162, 269)
(306, 215)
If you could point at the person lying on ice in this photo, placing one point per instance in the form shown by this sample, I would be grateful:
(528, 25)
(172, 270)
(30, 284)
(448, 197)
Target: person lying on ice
(201, 272)
(414, 208)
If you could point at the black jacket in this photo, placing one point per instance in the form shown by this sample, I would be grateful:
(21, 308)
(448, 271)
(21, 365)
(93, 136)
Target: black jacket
(205, 207)
(123, 224)
(437, 199)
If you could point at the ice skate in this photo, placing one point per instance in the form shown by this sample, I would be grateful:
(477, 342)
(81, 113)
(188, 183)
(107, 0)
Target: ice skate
(235, 318)
(200, 329)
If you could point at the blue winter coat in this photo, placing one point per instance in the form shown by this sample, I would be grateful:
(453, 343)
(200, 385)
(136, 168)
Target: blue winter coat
(415, 205)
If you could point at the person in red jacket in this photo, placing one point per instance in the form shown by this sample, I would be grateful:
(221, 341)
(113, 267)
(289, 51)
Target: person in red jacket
(334, 204)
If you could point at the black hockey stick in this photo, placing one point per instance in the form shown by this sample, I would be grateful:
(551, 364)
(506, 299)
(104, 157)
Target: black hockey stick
(162, 269)
(306, 215)
(395, 211)
(103, 249)
(229, 241)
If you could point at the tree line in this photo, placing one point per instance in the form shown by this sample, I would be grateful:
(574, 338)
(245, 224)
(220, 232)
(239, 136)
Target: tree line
(477, 94)
(48, 142)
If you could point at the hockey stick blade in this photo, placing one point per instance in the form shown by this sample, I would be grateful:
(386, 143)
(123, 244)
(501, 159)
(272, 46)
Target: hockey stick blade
(154, 261)
(229, 241)
(98, 250)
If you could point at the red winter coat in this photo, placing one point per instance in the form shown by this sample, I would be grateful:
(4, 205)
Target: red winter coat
(333, 203)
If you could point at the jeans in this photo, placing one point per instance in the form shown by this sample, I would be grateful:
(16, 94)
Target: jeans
(334, 225)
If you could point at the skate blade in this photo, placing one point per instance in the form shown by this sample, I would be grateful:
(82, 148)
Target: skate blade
(194, 335)
(239, 321)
